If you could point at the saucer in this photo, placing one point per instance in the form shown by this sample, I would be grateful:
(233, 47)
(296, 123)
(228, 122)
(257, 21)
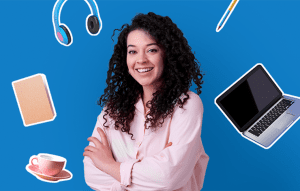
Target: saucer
(34, 169)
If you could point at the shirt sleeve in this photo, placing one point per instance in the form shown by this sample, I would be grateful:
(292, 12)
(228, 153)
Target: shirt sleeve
(95, 178)
(173, 167)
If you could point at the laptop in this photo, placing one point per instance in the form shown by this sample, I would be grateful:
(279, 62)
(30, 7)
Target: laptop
(257, 107)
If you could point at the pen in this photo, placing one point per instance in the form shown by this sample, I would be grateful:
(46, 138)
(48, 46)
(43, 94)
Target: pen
(226, 15)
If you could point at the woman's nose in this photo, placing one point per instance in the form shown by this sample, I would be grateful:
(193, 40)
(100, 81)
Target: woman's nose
(142, 58)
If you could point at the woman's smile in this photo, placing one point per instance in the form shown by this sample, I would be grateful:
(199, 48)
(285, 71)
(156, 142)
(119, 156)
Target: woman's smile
(145, 70)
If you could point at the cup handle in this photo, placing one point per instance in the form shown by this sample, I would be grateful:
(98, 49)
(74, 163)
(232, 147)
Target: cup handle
(33, 159)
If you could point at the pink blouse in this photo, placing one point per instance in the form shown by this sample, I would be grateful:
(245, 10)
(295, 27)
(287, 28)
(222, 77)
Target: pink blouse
(145, 162)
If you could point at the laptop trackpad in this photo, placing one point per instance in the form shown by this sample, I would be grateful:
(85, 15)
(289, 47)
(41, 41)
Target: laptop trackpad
(283, 121)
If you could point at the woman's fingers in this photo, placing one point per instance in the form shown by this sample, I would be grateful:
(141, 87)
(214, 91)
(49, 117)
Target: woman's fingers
(95, 141)
(169, 144)
(103, 136)
(90, 148)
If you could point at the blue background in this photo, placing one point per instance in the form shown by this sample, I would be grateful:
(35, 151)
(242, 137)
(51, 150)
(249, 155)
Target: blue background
(261, 31)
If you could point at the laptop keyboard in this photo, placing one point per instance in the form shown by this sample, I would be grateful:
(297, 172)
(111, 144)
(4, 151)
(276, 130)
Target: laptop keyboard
(269, 118)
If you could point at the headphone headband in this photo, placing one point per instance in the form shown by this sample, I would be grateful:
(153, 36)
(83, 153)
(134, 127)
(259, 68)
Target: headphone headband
(56, 12)
(93, 7)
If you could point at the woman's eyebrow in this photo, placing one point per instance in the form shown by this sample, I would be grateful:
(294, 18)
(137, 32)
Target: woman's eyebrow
(146, 45)
(152, 44)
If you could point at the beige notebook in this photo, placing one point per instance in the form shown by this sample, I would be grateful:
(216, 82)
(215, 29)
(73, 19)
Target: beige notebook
(34, 100)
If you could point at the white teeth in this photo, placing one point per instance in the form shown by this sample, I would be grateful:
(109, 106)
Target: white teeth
(144, 70)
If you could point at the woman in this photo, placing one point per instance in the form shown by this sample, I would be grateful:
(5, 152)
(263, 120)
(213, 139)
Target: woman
(148, 81)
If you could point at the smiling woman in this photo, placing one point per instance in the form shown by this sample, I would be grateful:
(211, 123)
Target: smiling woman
(148, 81)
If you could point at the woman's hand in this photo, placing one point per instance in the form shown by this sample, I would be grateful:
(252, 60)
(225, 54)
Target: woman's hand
(169, 144)
(101, 154)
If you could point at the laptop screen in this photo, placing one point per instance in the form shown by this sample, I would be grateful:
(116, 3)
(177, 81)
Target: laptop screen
(249, 98)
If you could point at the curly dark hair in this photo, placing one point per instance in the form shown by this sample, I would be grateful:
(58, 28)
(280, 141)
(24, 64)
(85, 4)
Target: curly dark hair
(180, 67)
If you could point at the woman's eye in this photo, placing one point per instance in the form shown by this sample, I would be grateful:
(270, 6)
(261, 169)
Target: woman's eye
(131, 52)
(152, 50)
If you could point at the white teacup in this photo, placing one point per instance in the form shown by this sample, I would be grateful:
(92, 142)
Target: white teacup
(49, 164)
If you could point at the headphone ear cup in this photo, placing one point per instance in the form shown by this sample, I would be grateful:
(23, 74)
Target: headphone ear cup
(93, 24)
(67, 33)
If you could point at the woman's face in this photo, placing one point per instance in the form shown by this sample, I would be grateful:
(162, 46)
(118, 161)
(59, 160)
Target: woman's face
(144, 58)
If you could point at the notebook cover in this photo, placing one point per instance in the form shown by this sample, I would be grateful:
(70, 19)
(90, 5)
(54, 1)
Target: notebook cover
(34, 103)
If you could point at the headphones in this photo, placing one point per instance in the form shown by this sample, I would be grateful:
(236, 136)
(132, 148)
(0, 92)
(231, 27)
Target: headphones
(63, 33)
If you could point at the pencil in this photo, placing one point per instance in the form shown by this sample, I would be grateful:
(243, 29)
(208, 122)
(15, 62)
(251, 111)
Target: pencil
(226, 15)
